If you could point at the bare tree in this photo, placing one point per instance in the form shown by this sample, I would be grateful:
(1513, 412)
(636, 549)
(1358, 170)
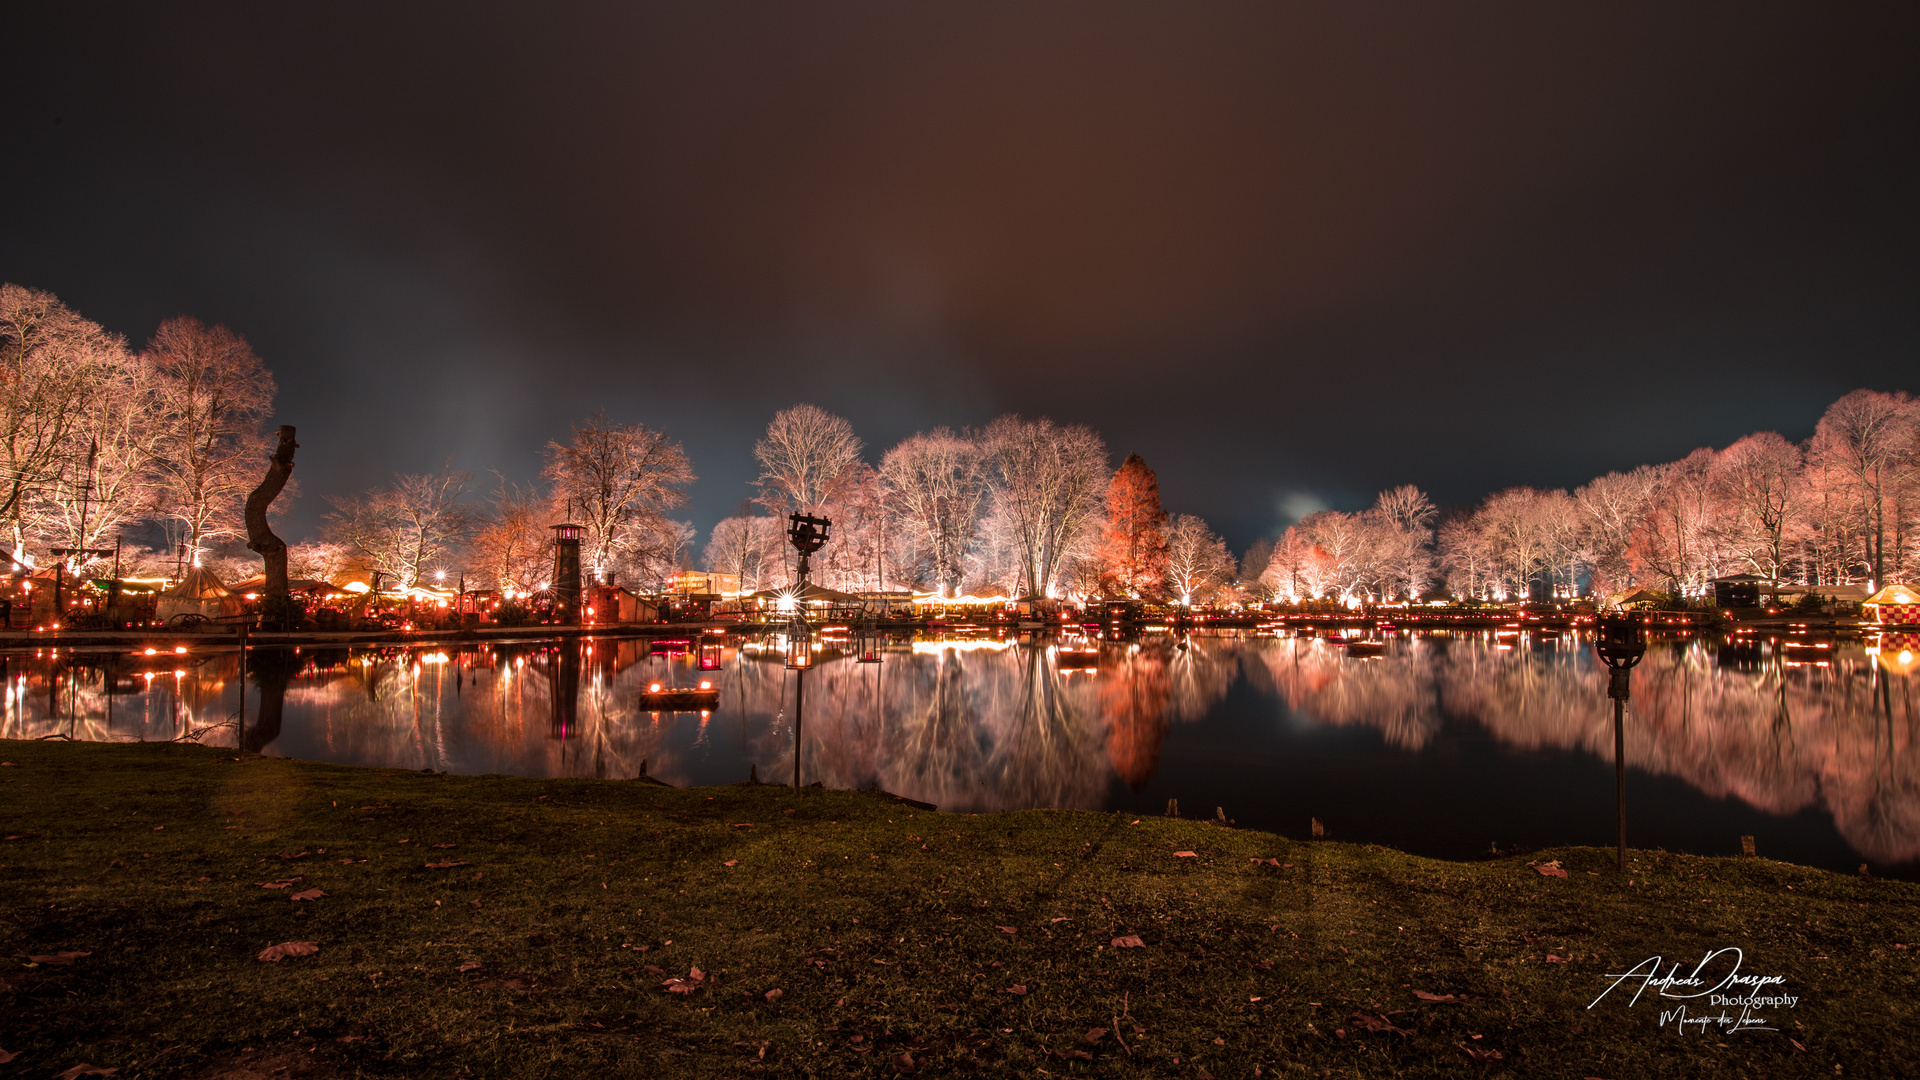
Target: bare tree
(53, 363)
(804, 458)
(1757, 485)
(213, 395)
(512, 549)
(1868, 437)
(110, 485)
(747, 546)
(405, 529)
(1050, 479)
(1405, 518)
(1198, 562)
(1611, 508)
(936, 484)
(621, 479)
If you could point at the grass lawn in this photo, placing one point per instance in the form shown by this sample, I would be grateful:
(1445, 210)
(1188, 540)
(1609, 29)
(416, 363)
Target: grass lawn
(497, 926)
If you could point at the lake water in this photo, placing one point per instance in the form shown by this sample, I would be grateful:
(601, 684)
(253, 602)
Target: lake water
(1444, 745)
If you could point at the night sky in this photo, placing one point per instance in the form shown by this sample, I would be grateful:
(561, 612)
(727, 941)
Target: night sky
(1290, 254)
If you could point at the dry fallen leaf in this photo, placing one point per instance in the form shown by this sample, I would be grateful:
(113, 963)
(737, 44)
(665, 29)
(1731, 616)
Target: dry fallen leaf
(1094, 1035)
(1439, 998)
(471, 965)
(1378, 1023)
(1130, 941)
(1004, 929)
(1078, 1055)
(651, 970)
(86, 1070)
(310, 894)
(1796, 1044)
(59, 958)
(904, 1063)
(1483, 1056)
(1185, 855)
(281, 884)
(1552, 959)
(7, 1055)
(775, 994)
(445, 865)
(1020, 989)
(1062, 918)
(731, 862)
(1551, 869)
(275, 953)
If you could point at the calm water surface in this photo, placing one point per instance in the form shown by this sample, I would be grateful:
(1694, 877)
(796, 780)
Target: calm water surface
(1445, 745)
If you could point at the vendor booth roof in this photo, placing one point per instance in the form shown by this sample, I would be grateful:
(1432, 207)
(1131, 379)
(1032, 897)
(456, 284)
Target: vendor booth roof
(199, 583)
(812, 594)
(1896, 594)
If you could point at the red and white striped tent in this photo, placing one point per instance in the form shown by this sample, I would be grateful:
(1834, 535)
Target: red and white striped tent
(1895, 605)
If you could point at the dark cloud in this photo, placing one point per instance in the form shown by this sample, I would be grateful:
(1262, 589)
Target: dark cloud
(1286, 252)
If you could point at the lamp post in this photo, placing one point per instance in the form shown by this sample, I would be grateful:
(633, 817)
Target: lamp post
(807, 534)
(1621, 643)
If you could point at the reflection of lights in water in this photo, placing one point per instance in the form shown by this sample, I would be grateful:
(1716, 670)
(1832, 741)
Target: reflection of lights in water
(935, 648)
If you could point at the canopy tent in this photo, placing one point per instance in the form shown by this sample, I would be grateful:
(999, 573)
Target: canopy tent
(198, 593)
(1633, 596)
(810, 594)
(1895, 605)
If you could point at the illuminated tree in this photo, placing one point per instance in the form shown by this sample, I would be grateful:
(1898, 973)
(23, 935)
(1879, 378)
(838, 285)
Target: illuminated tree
(107, 482)
(213, 395)
(936, 486)
(1197, 561)
(1133, 547)
(405, 529)
(1048, 480)
(1870, 442)
(53, 365)
(750, 547)
(512, 547)
(804, 458)
(619, 480)
(1757, 489)
(1403, 523)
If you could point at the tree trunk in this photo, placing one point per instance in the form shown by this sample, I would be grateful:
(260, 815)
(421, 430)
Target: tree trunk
(271, 549)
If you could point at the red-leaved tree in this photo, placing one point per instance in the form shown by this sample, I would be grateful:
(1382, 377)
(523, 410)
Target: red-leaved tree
(1133, 550)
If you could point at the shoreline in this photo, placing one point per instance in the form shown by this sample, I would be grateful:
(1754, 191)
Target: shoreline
(506, 926)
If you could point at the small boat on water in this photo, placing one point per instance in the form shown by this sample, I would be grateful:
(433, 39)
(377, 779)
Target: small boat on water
(658, 697)
(1366, 647)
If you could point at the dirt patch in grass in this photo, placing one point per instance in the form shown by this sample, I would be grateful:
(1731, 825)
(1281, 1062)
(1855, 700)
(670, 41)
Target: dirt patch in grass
(495, 926)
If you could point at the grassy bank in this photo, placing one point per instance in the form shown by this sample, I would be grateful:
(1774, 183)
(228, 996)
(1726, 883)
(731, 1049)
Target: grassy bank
(840, 933)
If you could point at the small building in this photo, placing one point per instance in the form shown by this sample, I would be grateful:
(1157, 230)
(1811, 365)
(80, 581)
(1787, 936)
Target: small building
(1738, 591)
(613, 604)
(1895, 605)
(703, 583)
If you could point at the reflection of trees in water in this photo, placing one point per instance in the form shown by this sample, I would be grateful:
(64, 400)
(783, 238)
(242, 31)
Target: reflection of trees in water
(1779, 738)
(1000, 726)
(1395, 692)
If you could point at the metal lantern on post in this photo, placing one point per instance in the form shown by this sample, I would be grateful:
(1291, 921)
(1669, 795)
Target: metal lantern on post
(1621, 643)
(871, 641)
(807, 534)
